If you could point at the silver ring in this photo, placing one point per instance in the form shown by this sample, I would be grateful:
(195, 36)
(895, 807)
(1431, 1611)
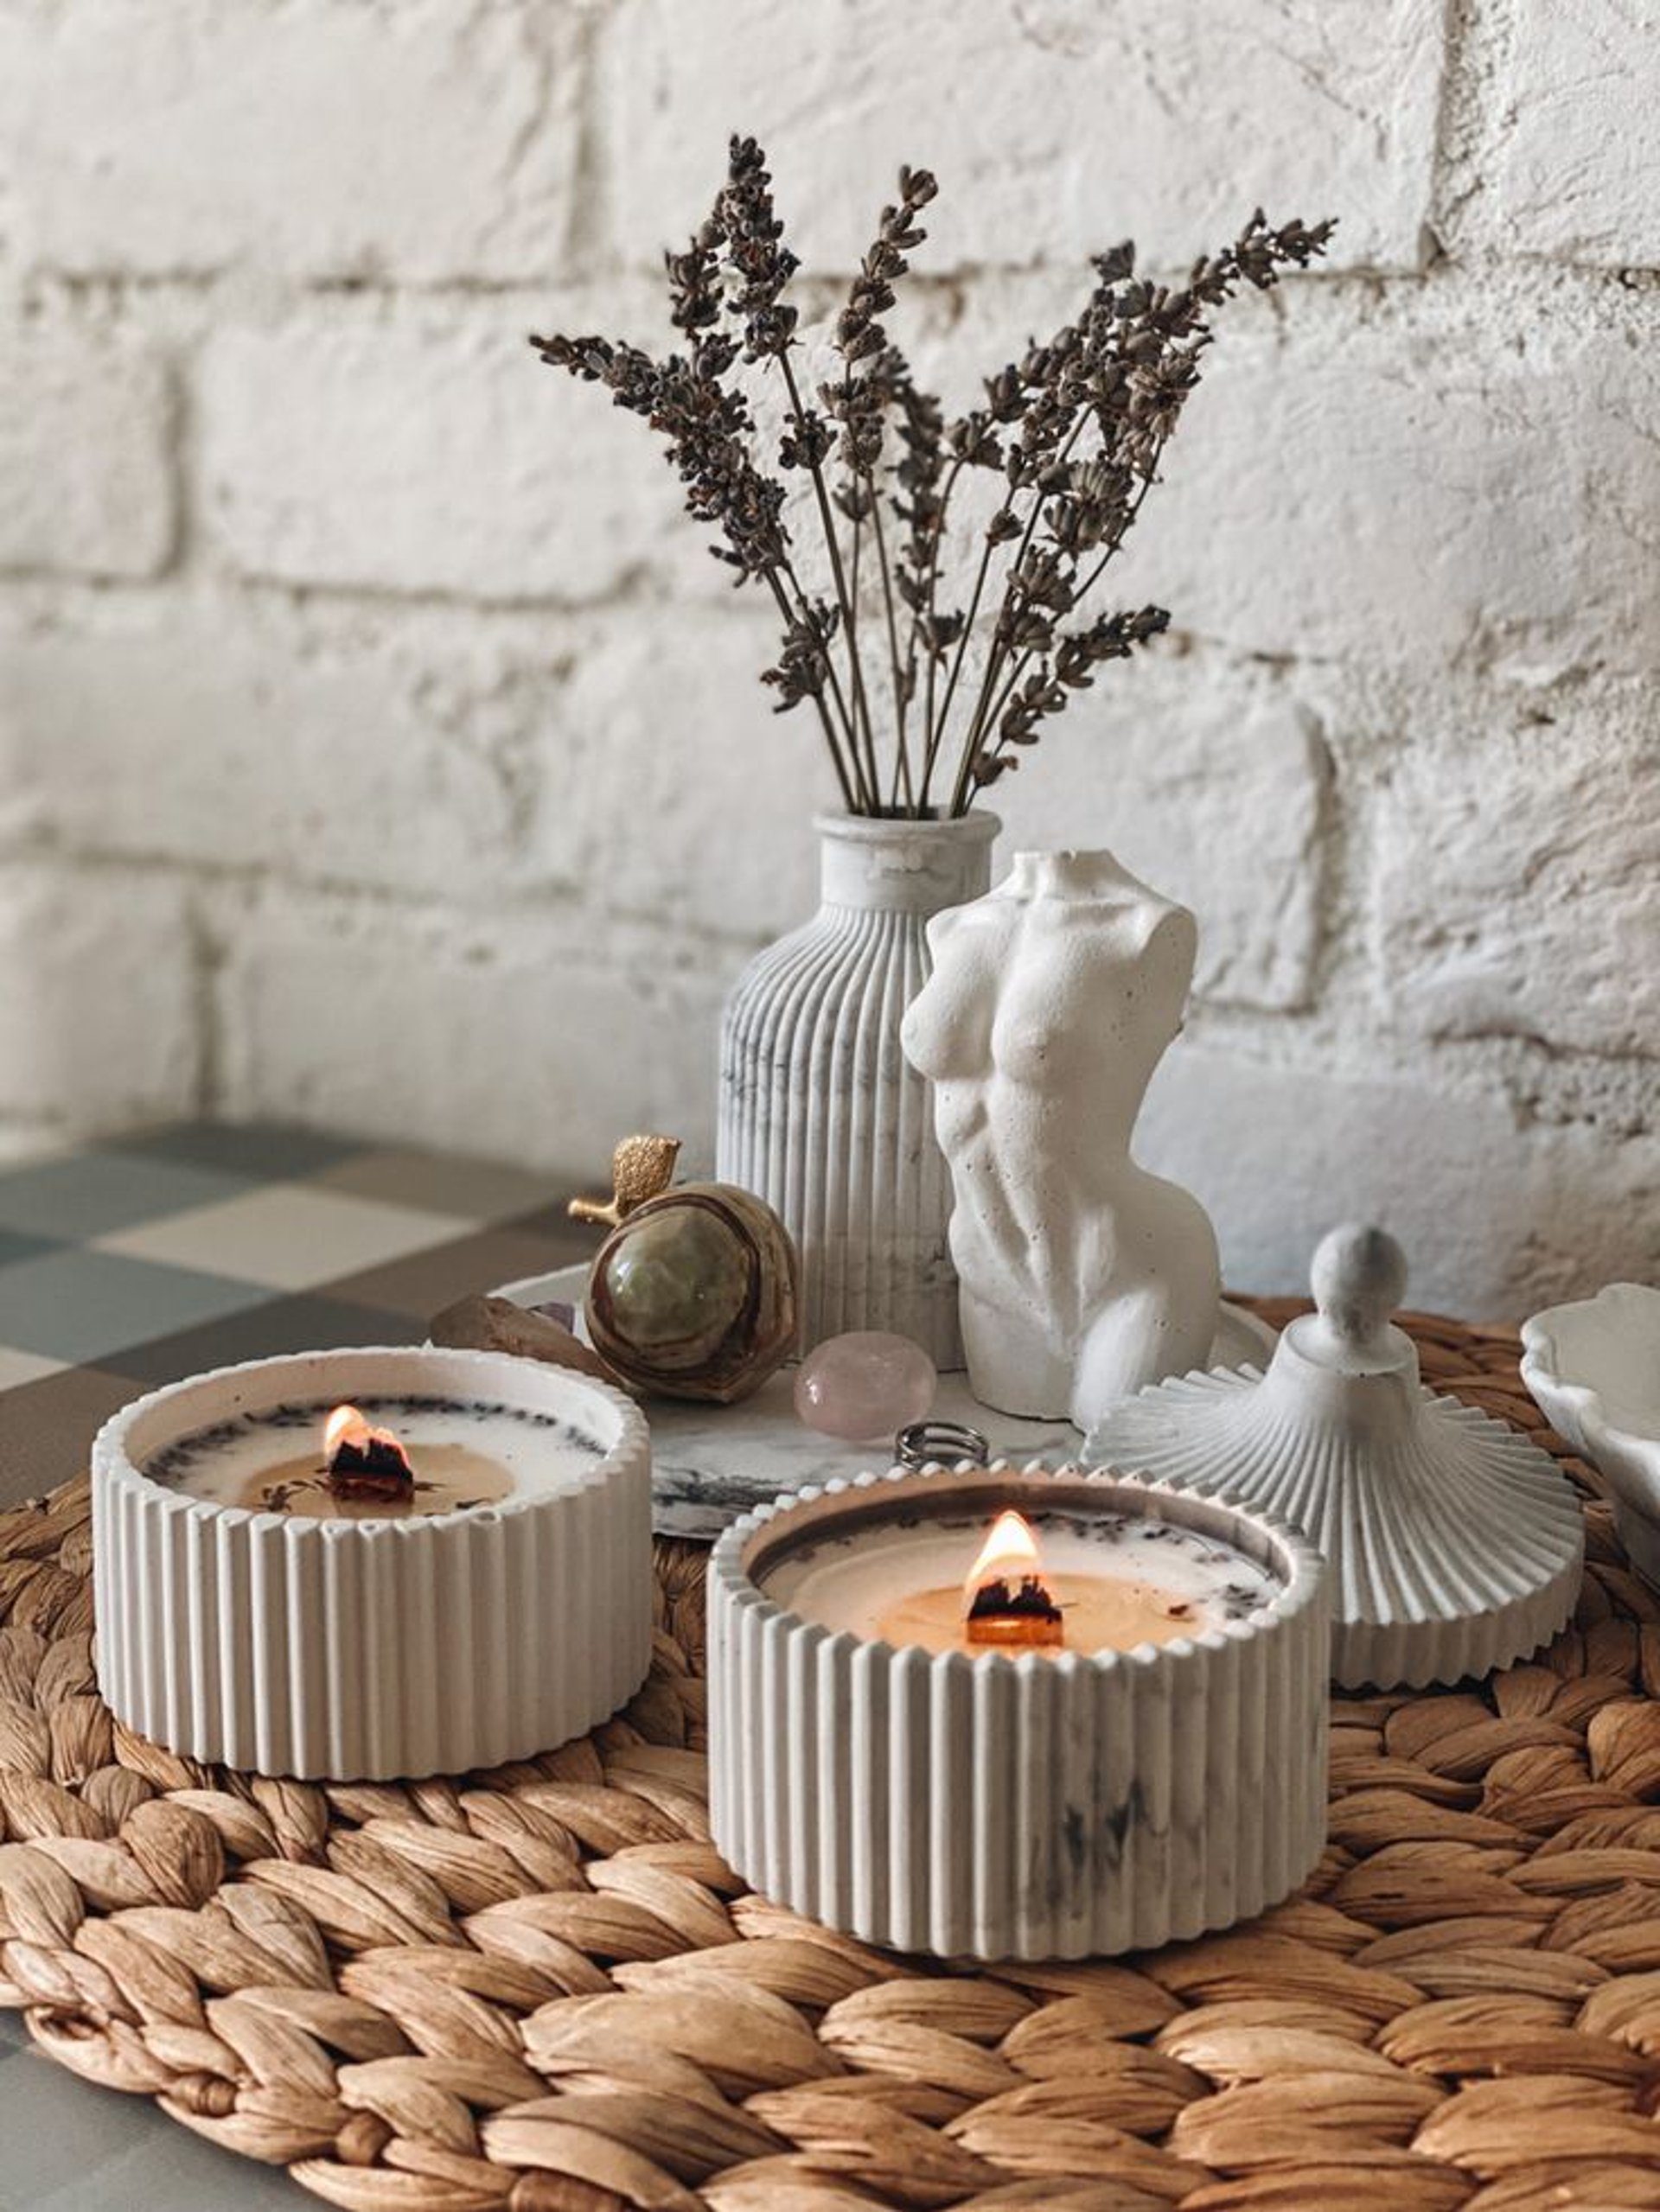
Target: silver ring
(948, 1444)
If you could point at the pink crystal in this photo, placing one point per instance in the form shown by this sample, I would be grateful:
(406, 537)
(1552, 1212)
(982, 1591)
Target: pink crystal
(864, 1385)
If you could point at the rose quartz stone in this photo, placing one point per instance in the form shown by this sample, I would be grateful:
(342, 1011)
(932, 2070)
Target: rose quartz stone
(864, 1385)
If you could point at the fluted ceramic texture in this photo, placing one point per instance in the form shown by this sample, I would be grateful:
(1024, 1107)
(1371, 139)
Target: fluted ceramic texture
(1455, 1544)
(363, 1650)
(999, 1807)
(819, 1111)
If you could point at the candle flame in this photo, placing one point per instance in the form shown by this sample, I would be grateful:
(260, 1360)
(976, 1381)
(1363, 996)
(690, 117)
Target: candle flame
(1009, 1554)
(347, 1430)
(345, 1425)
(1004, 1602)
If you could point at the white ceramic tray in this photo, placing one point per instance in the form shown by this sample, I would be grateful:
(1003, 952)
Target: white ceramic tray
(710, 1463)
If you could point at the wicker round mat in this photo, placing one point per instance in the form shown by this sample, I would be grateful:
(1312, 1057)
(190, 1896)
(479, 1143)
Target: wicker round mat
(540, 1988)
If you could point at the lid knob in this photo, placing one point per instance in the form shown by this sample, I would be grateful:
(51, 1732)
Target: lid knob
(1358, 1276)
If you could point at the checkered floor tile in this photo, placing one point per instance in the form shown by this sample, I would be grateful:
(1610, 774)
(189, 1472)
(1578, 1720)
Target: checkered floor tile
(131, 1264)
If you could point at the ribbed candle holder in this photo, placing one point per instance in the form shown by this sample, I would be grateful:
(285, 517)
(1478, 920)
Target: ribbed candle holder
(362, 1649)
(989, 1805)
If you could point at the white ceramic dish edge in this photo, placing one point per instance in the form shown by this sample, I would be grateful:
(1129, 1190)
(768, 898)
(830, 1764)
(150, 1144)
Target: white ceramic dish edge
(1577, 1355)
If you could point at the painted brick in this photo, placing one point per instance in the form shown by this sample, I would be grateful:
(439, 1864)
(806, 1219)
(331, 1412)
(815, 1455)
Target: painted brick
(420, 455)
(369, 748)
(85, 476)
(98, 989)
(1209, 783)
(1518, 878)
(1568, 165)
(516, 1037)
(423, 141)
(1498, 1214)
(1056, 127)
(694, 800)
(1392, 480)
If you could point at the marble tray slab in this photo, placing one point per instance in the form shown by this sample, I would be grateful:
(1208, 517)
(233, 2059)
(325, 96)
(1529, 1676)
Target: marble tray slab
(713, 1464)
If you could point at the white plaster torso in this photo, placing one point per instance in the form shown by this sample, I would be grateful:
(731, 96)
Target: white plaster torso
(1051, 1002)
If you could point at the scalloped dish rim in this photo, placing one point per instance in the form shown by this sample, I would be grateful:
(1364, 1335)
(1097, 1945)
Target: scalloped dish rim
(1630, 1458)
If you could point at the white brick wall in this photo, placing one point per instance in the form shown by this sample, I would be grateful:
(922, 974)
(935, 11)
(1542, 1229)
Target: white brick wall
(1059, 125)
(85, 462)
(98, 1016)
(378, 748)
(419, 143)
(416, 453)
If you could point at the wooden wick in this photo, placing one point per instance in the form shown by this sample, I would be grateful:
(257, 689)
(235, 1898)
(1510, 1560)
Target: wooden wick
(1026, 1618)
(375, 1469)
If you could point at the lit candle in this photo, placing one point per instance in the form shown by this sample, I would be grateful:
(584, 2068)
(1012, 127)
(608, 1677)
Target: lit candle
(1062, 1581)
(394, 1459)
(373, 1562)
(1004, 1713)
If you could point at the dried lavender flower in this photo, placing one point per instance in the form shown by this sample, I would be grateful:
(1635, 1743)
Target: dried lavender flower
(1074, 427)
(755, 246)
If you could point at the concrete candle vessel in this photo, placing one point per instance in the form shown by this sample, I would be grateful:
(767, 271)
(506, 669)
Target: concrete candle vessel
(1594, 1368)
(1051, 1002)
(981, 1803)
(246, 1614)
(1455, 1544)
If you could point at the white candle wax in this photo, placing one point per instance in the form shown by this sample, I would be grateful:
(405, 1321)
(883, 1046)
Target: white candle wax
(1120, 1580)
(461, 1452)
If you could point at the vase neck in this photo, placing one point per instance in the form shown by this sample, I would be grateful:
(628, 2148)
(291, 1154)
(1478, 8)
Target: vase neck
(905, 867)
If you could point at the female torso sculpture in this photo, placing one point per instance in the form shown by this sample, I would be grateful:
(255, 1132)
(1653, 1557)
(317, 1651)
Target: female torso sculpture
(1050, 1002)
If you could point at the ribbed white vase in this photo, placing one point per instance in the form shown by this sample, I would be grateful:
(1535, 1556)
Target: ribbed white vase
(820, 1113)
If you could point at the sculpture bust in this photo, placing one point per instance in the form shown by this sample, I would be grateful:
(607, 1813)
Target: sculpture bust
(1052, 1001)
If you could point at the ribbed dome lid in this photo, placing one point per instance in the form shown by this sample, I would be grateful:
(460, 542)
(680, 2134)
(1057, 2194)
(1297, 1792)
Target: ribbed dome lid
(1455, 1545)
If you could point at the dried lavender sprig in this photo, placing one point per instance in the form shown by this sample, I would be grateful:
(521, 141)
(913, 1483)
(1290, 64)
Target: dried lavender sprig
(861, 403)
(754, 244)
(921, 468)
(746, 228)
(1127, 366)
(859, 715)
(1124, 369)
(1069, 667)
(705, 426)
(752, 237)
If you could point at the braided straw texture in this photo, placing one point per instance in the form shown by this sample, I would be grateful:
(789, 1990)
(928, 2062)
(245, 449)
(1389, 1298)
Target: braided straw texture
(539, 1990)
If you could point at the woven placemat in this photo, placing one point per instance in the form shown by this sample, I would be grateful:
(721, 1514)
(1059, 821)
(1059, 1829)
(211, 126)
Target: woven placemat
(541, 1989)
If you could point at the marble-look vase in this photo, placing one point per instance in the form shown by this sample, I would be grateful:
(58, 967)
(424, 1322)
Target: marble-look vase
(1051, 1002)
(819, 1111)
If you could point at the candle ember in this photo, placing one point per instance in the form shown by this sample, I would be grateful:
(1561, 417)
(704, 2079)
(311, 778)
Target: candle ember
(362, 1461)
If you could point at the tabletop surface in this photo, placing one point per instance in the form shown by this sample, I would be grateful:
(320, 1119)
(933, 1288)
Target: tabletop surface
(133, 1263)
